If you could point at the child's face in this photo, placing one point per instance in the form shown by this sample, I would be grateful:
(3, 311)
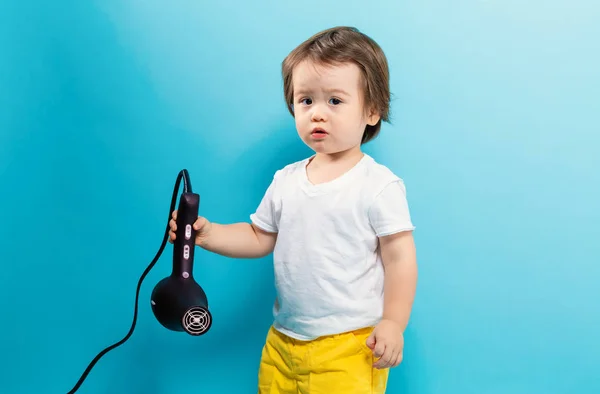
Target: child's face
(328, 107)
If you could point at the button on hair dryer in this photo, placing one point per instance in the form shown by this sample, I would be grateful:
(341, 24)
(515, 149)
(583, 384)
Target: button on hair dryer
(178, 302)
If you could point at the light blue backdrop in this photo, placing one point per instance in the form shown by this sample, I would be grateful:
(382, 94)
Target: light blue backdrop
(495, 131)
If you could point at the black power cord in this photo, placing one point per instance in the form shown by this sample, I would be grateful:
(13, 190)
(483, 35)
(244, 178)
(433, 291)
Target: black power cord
(183, 174)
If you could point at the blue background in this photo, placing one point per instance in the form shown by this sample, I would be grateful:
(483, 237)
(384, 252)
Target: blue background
(495, 131)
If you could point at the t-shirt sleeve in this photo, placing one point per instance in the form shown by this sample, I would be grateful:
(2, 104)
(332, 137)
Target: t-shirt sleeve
(265, 215)
(389, 212)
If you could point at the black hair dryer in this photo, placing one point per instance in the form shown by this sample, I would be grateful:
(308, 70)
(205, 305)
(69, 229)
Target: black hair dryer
(178, 302)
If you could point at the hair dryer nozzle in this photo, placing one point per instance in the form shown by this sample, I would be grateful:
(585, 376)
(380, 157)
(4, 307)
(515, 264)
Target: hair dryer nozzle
(181, 305)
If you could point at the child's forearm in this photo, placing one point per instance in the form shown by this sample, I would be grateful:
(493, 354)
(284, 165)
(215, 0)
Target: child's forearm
(238, 240)
(400, 286)
(399, 256)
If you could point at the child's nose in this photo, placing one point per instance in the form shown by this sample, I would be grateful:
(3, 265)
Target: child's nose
(318, 113)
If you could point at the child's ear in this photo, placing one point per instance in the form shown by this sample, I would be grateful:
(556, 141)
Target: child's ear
(373, 117)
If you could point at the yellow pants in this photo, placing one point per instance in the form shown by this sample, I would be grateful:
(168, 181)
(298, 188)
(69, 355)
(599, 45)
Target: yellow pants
(337, 364)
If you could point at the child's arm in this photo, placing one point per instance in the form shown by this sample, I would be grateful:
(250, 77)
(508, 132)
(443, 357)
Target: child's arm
(398, 253)
(399, 258)
(238, 240)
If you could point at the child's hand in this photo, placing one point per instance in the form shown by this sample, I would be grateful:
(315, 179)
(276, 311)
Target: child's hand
(387, 343)
(201, 225)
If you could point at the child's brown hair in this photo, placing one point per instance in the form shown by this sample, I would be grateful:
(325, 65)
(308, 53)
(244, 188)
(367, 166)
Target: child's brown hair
(341, 45)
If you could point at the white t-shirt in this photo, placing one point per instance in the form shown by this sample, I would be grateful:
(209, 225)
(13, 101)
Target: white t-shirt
(328, 269)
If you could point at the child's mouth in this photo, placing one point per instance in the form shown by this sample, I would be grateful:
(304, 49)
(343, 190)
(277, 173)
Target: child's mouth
(319, 133)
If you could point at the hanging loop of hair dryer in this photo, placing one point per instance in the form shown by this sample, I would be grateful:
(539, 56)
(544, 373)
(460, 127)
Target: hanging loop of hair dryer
(178, 302)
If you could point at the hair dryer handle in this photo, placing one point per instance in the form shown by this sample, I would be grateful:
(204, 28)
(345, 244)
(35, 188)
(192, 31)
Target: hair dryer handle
(185, 236)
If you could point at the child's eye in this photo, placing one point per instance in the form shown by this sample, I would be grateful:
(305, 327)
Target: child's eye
(335, 101)
(306, 101)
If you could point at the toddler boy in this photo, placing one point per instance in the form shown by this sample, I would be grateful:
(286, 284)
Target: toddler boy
(338, 226)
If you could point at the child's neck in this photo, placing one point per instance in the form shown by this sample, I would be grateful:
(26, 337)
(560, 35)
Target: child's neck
(327, 167)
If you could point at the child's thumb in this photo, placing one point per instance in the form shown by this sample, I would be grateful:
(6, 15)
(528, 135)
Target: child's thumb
(371, 341)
